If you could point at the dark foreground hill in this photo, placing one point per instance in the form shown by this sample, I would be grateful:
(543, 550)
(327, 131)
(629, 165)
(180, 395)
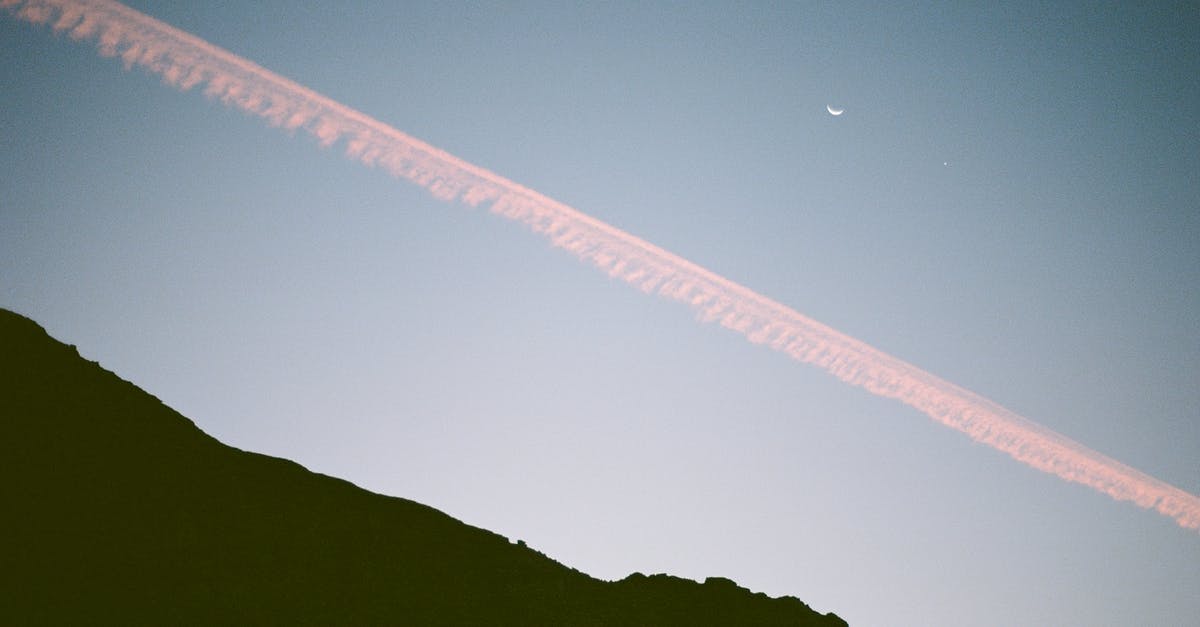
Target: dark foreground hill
(118, 510)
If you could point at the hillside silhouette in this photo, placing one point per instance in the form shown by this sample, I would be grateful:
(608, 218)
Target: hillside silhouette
(122, 511)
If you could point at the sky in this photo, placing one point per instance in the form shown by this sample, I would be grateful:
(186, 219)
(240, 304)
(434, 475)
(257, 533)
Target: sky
(1008, 202)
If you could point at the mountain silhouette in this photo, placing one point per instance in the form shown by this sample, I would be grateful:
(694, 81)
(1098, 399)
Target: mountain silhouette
(119, 510)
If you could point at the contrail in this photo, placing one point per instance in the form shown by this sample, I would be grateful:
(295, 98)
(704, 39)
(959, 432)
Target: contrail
(186, 61)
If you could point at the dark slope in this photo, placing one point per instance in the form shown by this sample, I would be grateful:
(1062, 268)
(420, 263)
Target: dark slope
(119, 510)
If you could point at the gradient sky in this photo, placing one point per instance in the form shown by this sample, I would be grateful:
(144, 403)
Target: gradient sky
(1009, 201)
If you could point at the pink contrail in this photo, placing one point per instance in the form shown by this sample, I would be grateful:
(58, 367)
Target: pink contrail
(186, 61)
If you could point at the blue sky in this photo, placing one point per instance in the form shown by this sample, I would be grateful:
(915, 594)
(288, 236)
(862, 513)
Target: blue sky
(1008, 202)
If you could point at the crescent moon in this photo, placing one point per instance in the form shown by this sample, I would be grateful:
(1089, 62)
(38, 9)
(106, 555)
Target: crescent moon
(833, 111)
